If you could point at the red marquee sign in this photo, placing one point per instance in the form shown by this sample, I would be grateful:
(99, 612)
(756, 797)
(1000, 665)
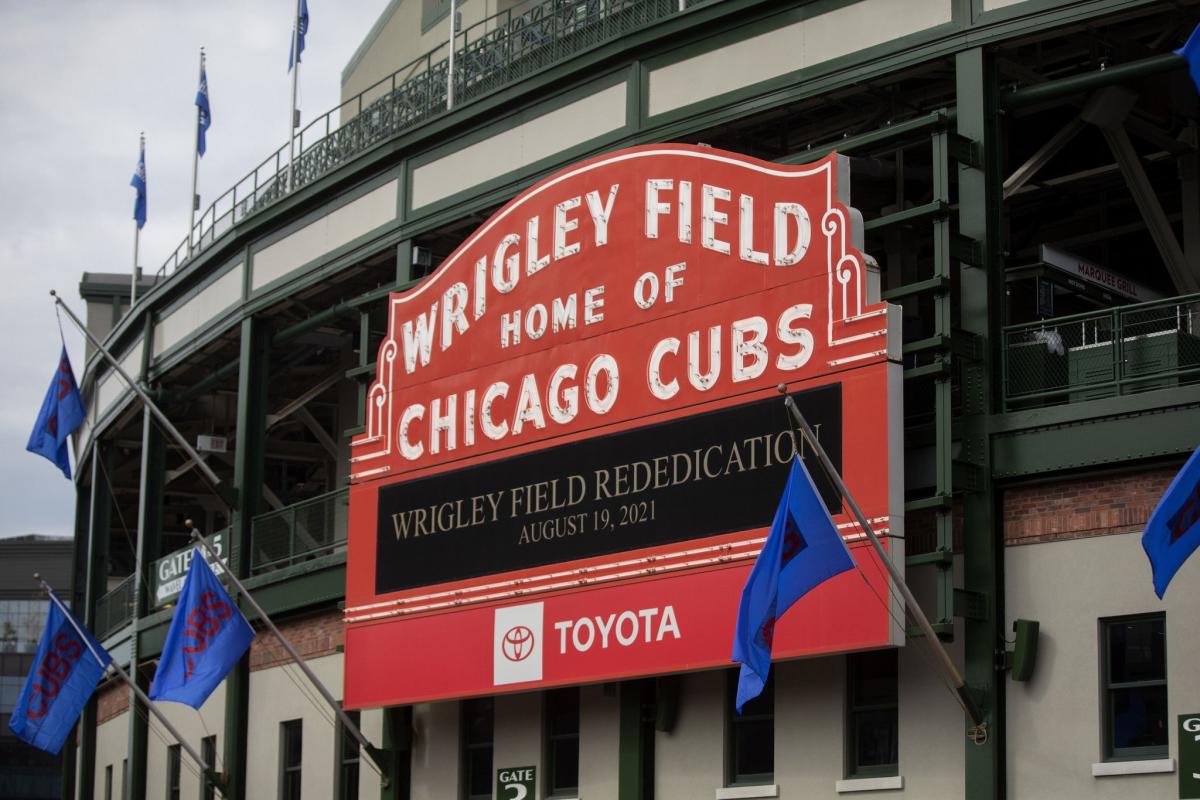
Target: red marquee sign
(575, 443)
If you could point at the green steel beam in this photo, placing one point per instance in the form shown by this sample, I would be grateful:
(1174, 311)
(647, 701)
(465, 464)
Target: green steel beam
(1090, 81)
(935, 120)
(942, 393)
(149, 548)
(980, 289)
(95, 583)
(1093, 443)
(629, 747)
(253, 375)
(397, 739)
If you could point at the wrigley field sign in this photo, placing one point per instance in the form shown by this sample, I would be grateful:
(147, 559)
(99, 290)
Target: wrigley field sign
(574, 442)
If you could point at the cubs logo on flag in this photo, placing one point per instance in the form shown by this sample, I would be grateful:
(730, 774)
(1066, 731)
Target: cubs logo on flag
(60, 415)
(66, 669)
(208, 635)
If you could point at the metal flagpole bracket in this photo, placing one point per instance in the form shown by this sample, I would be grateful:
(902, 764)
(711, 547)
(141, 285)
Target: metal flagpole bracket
(377, 756)
(961, 689)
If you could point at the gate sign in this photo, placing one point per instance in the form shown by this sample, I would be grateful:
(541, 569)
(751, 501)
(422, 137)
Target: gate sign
(516, 783)
(575, 442)
(1189, 755)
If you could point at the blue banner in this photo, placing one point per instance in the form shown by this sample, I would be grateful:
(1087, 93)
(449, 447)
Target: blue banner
(204, 117)
(208, 635)
(61, 413)
(1191, 54)
(802, 551)
(65, 672)
(296, 45)
(138, 182)
(1173, 531)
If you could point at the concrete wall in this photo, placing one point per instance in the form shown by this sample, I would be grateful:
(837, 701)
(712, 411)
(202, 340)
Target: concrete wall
(1054, 722)
(112, 743)
(193, 726)
(275, 698)
(518, 737)
(435, 773)
(690, 760)
(599, 740)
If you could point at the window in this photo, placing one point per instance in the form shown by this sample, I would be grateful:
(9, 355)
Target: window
(1134, 652)
(173, 765)
(871, 717)
(291, 738)
(562, 741)
(108, 782)
(433, 12)
(347, 757)
(752, 735)
(208, 752)
(124, 776)
(478, 724)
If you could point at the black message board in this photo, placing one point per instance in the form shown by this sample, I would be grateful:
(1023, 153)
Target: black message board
(688, 478)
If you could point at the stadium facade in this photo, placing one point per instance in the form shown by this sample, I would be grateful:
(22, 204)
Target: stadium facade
(1001, 270)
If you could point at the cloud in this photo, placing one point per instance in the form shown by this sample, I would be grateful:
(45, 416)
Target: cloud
(78, 81)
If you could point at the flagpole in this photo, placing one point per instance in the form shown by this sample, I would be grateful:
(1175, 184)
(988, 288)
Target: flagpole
(960, 685)
(150, 405)
(192, 203)
(137, 233)
(166, 723)
(373, 753)
(292, 109)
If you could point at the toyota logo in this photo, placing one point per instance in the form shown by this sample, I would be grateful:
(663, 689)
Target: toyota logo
(517, 643)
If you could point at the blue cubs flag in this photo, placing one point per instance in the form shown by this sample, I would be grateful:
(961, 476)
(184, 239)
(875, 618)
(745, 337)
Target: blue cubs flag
(208, 635)
(65, 672)
(138, 182)
(296, 44)
(60, 415)
(802, 551)
(1191, 54)
(204, 117)
(1173, 531)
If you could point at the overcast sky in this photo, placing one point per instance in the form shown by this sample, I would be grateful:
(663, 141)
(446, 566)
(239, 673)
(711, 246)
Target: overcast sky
(78, 81)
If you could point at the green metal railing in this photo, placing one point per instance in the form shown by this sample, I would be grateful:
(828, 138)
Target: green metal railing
(1123, 350)
(299, 532)
(115, 609)
(497, 51)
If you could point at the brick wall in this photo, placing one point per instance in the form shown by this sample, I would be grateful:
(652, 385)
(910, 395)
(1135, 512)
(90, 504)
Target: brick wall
(313, 636)
(112, 700)
(1077, 507)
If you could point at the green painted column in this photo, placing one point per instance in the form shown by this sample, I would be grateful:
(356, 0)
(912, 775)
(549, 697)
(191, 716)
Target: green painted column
(631, 748)
(95, 577)
(248, 478)
(981, 292)
(78, 595)
(149, 547)
(397, 740)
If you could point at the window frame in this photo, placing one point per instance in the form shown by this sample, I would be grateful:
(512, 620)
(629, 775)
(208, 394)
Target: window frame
(549, 739)
(208, 752)
(174, 772)
(344, 764)
(466, 746)
(284, 770)
(1107, 692)
(108, 782)
(854, 664)
(733, 720)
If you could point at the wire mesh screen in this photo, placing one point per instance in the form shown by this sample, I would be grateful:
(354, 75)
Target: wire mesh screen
(299, 532)
(115, 609)
(1123, 350)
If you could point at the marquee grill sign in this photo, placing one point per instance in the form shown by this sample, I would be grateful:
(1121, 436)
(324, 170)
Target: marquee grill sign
(574, 443)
